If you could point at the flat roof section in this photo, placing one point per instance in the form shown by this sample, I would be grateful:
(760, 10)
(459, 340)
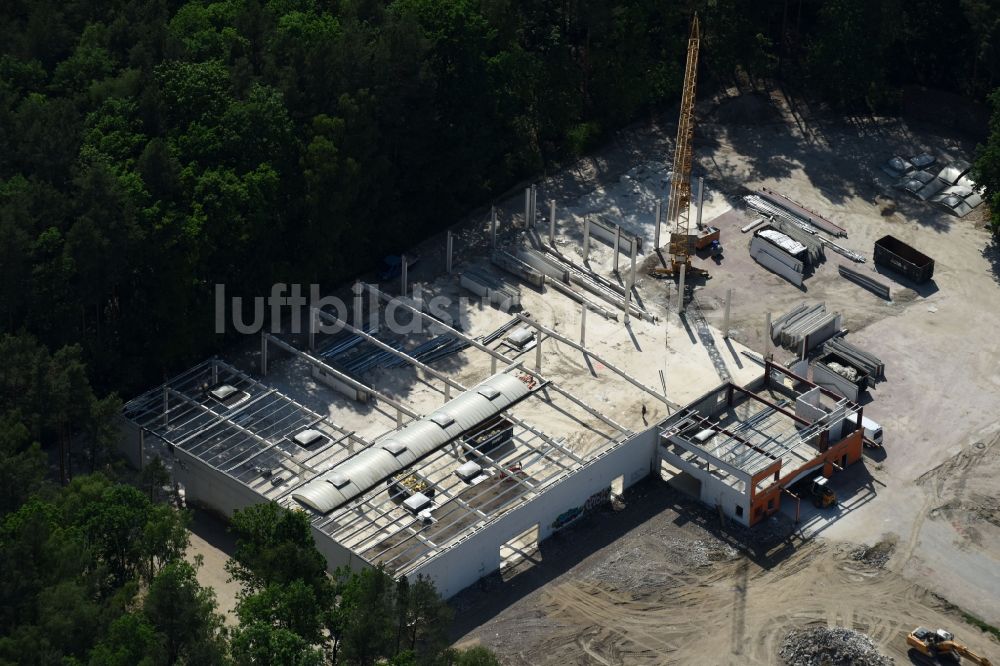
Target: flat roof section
(242, 428)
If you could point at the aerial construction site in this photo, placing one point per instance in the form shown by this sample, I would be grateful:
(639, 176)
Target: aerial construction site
(723, 392)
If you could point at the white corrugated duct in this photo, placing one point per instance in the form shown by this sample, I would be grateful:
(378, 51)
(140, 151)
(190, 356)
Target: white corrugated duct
(397, 451)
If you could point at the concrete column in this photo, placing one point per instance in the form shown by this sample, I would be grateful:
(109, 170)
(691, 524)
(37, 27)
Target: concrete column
(313, 320)
(142, 444)
(552, 222)
(538, 350)
(493, 227)
(680, 290)
(493, 365)
(767, 335)
(527, 208)
(402, 275)
(534, 206)
(635, 248)
(359, 315)
(725, 319)
(399, 418)
(618, 243)
(215, 372)
(447, 391)
(263, 354)
(166, 404)
(701, 199)
(628, 300)
(583, 325)
(656, 226)
(449, 249)
(586, 238)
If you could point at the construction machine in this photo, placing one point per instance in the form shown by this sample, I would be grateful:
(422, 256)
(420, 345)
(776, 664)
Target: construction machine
(823, 495)
(682, 241)
(941, 643)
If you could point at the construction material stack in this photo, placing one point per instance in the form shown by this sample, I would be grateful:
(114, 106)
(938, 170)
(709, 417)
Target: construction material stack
(873, 367)
(805, 325)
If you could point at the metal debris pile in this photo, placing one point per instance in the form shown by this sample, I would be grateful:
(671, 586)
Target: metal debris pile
(831, 646)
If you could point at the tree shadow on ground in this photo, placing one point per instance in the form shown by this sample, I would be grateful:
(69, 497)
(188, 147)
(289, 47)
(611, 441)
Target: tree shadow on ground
(991, 252)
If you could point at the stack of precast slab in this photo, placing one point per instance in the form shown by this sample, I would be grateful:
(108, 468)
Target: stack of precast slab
(859, 358)
(810, 325)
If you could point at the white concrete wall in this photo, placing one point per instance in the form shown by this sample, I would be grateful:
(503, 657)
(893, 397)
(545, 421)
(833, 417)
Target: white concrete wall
(830, 380)
(605, 232)
(714, 491)
(128, 445)
(543, 264)
(479, 555)
(339, 386)
(210, 487)
(335, 554)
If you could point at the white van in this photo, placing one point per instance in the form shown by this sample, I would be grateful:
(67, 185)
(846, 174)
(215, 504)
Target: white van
(873, 431)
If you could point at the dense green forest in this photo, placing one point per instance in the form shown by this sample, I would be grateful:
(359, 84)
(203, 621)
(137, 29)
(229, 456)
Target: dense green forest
(94, 573)
(152, 148)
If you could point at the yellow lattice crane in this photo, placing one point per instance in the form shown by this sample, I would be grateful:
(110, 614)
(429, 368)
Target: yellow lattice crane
(679, 205)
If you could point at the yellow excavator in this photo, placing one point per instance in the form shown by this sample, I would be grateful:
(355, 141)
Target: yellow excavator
(941, 643)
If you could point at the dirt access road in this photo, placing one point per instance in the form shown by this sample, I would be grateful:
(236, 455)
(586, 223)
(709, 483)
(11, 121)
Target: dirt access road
(663, 583)
(932, 493)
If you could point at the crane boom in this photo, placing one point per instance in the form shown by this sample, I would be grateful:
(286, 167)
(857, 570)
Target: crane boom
(678, 211)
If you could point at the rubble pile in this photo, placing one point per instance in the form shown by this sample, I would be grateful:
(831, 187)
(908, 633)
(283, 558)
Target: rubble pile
(830, 646)
(875, 556)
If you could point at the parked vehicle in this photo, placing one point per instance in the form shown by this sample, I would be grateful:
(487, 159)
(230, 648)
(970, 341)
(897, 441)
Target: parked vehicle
(873, 431)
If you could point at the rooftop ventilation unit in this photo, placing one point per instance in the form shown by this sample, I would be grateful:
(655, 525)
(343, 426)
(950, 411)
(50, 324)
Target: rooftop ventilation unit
(228, 395)
(308, 437)
(442, 419)
(469, 471)
(417, 502)
(337, 480)
(395, 448)
(223, 392)
(521, 337)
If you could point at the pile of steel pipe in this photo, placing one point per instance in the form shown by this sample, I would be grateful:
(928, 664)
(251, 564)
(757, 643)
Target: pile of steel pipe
(776, 212)
(500, 332)
(430, 351)
(341, 343)
(370, 358)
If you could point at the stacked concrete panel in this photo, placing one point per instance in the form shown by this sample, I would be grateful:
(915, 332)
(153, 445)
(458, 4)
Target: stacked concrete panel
(776, 259)
(494, 291)
(808, 324)
(858, 357)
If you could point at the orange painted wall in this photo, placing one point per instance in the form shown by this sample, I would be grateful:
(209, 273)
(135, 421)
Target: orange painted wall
(851, 446)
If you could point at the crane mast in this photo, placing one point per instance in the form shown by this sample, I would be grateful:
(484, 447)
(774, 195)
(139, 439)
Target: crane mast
(678, 210)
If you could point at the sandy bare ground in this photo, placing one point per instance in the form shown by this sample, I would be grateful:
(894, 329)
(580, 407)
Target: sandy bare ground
(931, 493)
(662, 581)
(671, 586)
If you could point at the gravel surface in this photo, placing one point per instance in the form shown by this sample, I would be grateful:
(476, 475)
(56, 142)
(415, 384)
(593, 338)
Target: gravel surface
(831, 646)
